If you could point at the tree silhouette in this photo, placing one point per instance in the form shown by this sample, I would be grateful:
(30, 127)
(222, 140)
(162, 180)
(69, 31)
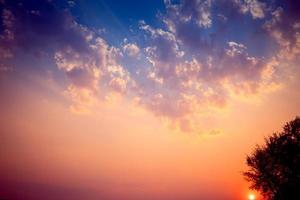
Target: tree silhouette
(274, 168)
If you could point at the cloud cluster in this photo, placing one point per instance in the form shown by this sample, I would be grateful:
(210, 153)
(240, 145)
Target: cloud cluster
(197, 11)
(93, 73)
(131, 49)
(284, 27)
(256, 8)
(192, 66)
(190, 75)
(88, 62)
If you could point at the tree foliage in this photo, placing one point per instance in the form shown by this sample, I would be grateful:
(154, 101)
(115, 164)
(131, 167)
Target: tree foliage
(274, 168)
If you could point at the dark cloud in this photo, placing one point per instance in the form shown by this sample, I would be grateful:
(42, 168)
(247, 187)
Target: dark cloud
(293, 9)
(80, 77)
(40, 26)
(284, 27)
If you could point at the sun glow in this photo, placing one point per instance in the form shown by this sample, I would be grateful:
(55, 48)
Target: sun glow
(251, 197)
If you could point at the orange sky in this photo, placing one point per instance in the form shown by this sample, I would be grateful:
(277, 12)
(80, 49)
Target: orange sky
(120, 149)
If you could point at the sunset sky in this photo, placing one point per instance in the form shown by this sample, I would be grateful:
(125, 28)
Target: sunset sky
(142, 99)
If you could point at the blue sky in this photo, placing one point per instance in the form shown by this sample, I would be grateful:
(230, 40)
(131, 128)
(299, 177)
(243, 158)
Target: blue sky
(118, 17)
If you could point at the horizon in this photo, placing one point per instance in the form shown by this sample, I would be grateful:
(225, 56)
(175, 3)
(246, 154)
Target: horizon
(138, 100)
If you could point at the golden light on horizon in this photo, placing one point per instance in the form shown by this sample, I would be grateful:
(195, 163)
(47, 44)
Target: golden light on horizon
(251, 197)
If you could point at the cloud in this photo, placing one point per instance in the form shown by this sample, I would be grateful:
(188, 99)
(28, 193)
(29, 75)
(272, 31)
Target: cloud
(41, 28)
(188, 65)
(7, 35)
(164, 46)
(284, 28)
(184, 85)
(254, 7)
(187, 21)
(131, 49)
(93, 72)
(197, 11)
(236, 62)
(83, 99)
(87, 61)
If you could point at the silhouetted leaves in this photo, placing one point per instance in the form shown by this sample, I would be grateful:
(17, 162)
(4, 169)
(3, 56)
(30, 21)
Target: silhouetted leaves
(274, 168)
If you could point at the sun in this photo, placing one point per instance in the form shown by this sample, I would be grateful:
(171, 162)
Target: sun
(251, 197)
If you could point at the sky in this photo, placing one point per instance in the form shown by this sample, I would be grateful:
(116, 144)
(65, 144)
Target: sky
(140, 99)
